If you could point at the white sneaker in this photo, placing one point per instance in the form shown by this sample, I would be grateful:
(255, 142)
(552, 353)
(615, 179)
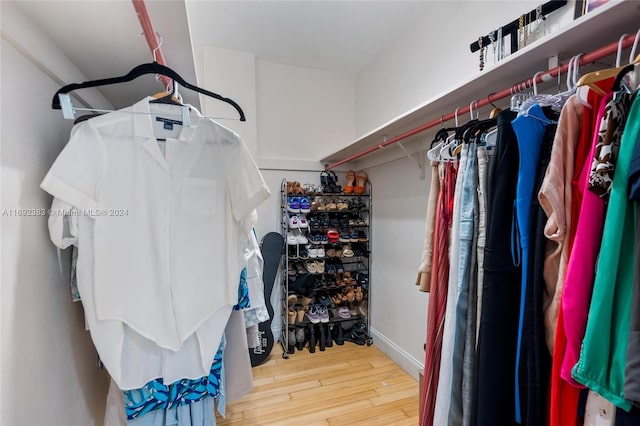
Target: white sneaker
(292, 239)
(301, 239)
(294, 222)
(320, 252)
(302, 221)
(313, 251)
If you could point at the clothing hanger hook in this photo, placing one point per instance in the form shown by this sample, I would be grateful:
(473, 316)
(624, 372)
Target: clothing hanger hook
(155, 49)
(619, 56)
(490, 101)
(635, 46)
(576, 69)
(569, 72)
(534, 81)
(456, 116)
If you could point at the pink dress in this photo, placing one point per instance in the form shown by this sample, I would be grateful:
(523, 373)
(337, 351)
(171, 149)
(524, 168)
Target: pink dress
(578, 284)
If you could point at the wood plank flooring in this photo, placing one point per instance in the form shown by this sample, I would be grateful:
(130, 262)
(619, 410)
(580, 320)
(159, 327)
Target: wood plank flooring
(344, 385)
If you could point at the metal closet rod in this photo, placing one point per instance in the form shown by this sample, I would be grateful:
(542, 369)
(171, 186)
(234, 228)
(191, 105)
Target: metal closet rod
(592, 56)
(151, 36)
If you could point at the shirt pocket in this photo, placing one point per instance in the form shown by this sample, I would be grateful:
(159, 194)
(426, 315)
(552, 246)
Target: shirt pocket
(199, 196)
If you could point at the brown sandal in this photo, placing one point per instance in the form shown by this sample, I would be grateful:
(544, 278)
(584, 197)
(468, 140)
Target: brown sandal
(350, 295)
(361, 180)
(351, 180)
(359, 294)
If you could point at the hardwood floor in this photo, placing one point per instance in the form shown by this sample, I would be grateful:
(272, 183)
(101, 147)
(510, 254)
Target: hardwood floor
(345, 385)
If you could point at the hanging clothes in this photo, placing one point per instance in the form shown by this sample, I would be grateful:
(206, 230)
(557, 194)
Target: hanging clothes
(443, 394)
(555, 199)
(466, 284)
(564, 397)
(423, 281)
(603, 356)
(578, 285)
(535, 361)
(446, 175)
(530, 131)
(499, 315)
(632, 371)
(484, 156)
(176, 199)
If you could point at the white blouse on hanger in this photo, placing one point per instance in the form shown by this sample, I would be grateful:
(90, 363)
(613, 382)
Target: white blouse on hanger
(161, 235)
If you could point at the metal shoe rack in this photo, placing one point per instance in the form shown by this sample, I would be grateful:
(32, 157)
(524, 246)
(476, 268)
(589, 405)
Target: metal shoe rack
(341, 273)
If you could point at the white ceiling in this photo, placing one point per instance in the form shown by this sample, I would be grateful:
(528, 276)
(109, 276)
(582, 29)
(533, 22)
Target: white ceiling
(340, 36)
(103, 38)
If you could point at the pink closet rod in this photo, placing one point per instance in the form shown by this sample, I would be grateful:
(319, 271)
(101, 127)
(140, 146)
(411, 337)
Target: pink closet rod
(152, 37)
(593, 56)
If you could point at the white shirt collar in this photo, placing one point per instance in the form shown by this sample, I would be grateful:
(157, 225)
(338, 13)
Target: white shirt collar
(143, 124)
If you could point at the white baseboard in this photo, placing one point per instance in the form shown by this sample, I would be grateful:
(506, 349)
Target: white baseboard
(408, 363)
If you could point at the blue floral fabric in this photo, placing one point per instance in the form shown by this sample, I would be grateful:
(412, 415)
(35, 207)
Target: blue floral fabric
(156, 395)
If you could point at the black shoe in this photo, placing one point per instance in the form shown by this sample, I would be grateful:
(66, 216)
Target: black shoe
(329, 339)
(337, 335)
(300, 338)
(303, 285)
(312, 338)
(291, 348)
(321, 337)
(358, 334)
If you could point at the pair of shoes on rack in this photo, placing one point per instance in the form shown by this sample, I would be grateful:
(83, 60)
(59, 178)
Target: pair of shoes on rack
(315, 266)
(317, 314)
(298, 204)
(316, 251)
(303, 285)
(295, 237)
(297, 221)
(355, 182)
(320, 335)
(358, 334)
(294, 188)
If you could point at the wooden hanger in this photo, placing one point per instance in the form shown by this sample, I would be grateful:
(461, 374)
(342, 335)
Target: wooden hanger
(495, 111)
(592, 78)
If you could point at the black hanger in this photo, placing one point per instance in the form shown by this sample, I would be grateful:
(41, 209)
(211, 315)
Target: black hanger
(441, 135)
(460, 132)
(149, 68)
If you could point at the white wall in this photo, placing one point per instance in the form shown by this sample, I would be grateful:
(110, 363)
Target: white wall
(432, 54)
(398, 311)
(429, 56)
(303, 113)
(48, 364)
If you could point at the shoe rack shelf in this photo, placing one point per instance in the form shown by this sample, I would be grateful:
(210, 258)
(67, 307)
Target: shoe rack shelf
(325, 275)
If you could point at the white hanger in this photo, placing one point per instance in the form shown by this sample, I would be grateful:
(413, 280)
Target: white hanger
(635, 76)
